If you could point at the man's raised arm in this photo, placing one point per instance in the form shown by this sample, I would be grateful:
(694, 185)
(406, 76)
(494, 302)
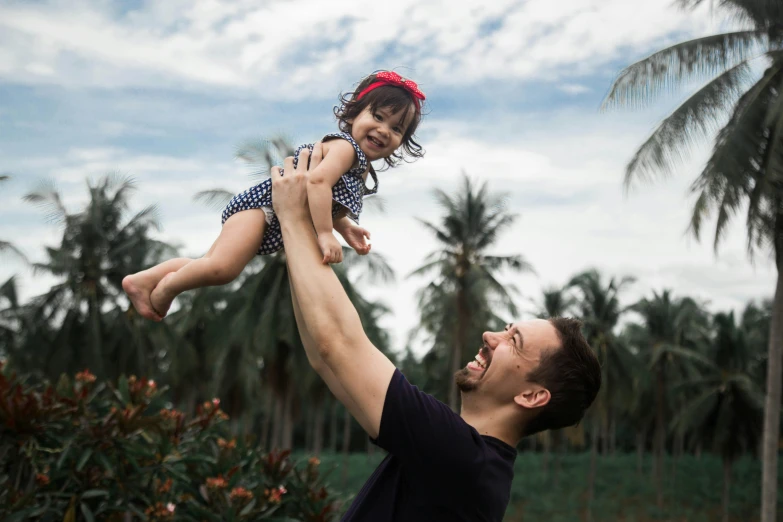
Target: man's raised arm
(325, 313)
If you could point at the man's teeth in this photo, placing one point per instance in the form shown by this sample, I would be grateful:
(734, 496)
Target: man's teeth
(480, 360)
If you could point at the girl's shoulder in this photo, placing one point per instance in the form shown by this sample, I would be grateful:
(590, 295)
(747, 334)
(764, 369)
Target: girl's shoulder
(345, 143)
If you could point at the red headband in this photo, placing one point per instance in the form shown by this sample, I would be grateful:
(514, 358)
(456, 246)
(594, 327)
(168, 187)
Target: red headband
(392, 78)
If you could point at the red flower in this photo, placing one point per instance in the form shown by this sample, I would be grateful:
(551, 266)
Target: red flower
(85, 377)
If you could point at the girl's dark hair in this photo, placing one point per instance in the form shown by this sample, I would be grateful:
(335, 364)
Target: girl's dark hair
(383, 97)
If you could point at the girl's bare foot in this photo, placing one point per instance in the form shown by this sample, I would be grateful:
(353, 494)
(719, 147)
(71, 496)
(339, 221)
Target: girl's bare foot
(160, 300)
(139, 292)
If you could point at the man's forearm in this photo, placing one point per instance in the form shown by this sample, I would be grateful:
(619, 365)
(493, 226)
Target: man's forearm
(314, 358)
(326, 311)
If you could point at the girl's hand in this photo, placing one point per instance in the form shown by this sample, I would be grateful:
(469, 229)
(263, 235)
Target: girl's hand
(356, 237)
(330, 248)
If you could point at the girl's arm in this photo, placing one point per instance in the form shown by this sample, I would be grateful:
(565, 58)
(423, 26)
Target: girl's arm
(338, 159)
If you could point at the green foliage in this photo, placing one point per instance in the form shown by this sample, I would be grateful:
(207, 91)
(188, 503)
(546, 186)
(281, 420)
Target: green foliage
(557, 493)
(87, 451)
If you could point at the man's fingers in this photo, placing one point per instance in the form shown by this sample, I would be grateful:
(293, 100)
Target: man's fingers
(366, 233)
(275, 172)
(304, 155)
(288, 164)
(317, 155)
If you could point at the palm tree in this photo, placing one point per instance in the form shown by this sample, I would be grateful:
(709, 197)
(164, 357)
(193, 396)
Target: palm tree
(599, 307)
(746, 167)
(5, 246)
(99, 246)
(555, 302)
(465, 291)
(727, 411)
(675, 330)
(8, 316)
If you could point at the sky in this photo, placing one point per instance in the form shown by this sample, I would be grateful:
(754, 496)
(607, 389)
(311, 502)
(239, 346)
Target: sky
(165, 92)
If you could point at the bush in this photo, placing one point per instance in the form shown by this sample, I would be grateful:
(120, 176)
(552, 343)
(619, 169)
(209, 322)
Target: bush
(87, 451)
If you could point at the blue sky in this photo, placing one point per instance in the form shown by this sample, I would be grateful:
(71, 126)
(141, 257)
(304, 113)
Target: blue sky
(166, 91)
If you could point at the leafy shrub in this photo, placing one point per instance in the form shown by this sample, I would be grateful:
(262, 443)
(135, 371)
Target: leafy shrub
(87, 451)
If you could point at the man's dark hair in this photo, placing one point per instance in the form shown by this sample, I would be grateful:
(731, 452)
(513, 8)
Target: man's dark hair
(571, 373)
(386, 96)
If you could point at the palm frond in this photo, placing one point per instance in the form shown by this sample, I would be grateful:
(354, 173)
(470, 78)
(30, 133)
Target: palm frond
(8, 248)
(695, 119)
(373, 266)
(215, 199)
(694, 60)
(735, 167)
(47, 197)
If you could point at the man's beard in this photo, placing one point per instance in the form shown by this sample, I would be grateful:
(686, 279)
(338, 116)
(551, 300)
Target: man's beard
(467, 382)
(464, 379)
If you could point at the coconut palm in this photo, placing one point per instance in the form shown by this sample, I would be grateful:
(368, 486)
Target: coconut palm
(676, 330)
(727, 409)
(745, 170)
(465, 292)
(7, 247)
(598, 305)
(100, 245)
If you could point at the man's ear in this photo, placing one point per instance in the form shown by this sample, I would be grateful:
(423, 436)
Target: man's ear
(533, 398)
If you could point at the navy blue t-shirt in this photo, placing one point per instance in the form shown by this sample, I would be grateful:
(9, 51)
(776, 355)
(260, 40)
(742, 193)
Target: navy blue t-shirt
(438, 468)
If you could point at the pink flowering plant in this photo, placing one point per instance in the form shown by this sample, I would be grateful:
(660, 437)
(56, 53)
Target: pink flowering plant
(83, 450)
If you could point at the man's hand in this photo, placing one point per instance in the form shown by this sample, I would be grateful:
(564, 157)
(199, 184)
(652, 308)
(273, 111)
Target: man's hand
(289, 192)
(330, 248)
(356, 237)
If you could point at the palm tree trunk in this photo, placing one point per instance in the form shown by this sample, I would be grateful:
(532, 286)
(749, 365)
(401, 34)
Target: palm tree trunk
(593, 469)
(318, 428)
(660, 435)
(268, 396)
(277, 421)
(769, 457)
(639, 450)
(309, 426)
(546, 439)
(726, 488)
(613, 435)
(456, 355)
(557, 450)
(346, 444)
(333, 427)
(288, 417)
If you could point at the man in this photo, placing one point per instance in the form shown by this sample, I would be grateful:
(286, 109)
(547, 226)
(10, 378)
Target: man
(533, 376)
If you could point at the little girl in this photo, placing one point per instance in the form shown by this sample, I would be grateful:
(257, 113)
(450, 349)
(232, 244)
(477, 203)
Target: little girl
(375, 121)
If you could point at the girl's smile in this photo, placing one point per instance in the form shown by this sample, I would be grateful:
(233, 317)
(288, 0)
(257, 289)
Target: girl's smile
(379, 132)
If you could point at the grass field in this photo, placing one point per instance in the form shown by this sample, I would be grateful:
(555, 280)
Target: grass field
(692, 488)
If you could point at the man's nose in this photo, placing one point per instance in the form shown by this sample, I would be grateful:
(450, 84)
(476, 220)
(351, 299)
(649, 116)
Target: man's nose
(489, 339)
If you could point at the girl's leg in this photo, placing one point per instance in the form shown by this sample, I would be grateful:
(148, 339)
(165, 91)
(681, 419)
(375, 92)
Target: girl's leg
(139, 286)
(234, 248)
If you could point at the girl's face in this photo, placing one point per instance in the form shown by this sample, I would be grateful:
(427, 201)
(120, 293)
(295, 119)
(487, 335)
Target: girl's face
(379, 132)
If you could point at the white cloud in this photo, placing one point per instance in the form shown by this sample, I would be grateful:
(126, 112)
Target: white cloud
(573, 88)
(302, 48)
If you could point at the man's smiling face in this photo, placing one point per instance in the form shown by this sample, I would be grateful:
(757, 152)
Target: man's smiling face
(505, 359)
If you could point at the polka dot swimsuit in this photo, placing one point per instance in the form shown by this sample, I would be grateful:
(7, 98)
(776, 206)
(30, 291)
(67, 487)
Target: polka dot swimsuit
(347, 195)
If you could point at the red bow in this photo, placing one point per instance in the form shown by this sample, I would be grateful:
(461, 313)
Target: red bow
(392, 78)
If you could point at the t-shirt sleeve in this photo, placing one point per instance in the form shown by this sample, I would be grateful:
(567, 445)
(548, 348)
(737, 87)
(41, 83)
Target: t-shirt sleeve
(425, 434)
